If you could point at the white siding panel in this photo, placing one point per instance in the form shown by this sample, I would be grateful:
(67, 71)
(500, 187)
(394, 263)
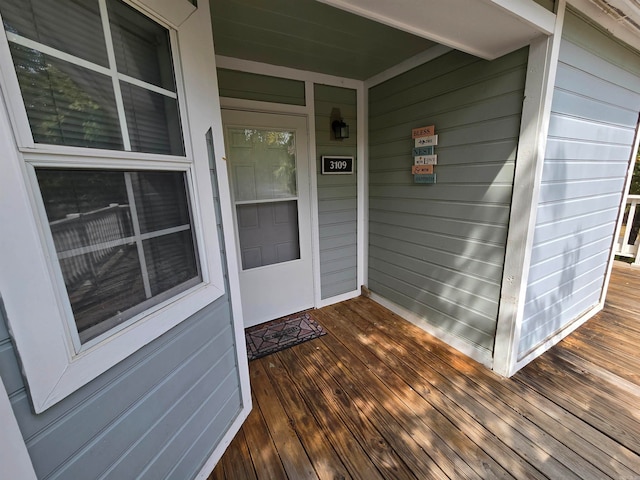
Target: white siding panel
(583, 129)
(591, 133)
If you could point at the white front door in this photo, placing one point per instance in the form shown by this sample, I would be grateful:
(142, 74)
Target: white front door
(269, 168)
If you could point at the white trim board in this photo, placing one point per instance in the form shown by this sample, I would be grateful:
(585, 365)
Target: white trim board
(362, 184)
(406, 65)
(343, 297)
(310, 102)
(541, 73)
(268, 69)
(478, 354)
(14, 456)
(557, 337)
(217, 453)
(229, 103)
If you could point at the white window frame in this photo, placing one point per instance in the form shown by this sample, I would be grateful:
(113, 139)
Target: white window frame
(31, 284)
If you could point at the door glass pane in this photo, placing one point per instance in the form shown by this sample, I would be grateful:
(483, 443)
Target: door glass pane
(263, 163)
(263, 168)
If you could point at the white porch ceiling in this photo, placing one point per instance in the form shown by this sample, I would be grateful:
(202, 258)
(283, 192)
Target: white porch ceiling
(485, 28)
(359, 39)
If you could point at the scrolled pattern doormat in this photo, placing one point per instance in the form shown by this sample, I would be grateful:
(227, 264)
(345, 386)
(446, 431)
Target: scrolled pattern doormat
(271, 337)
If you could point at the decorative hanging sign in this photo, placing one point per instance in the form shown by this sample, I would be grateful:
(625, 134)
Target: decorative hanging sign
(425, 160)
(421, 169)
(424, 157)
(422, 151)
(425, 178)
(423, 131)
(430, 140)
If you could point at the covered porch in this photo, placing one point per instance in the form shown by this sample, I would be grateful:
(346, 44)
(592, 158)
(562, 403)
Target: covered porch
(378, 397)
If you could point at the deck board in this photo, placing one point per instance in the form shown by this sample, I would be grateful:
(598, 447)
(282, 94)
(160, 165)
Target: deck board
(377, 397)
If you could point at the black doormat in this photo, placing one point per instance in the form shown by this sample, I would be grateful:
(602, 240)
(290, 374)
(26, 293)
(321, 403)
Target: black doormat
(282, 333)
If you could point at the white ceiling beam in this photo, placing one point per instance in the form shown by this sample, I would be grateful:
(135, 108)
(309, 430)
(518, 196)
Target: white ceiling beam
(486, 28)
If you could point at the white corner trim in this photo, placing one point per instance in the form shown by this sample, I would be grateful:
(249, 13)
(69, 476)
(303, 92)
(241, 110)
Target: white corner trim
(310, 102)
(541, 73)
(557, 337)
(362, 186)
(260, 68)
(529, 12)
(14, 456)
(406, 65)
(476, 353)
(343, 297)
(623, 204)
(217, 453)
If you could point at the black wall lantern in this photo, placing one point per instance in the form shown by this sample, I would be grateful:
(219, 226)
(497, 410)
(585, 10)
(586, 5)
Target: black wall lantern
(340, 129)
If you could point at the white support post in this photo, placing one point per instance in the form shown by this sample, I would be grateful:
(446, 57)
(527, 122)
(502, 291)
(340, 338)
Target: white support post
(541, 74)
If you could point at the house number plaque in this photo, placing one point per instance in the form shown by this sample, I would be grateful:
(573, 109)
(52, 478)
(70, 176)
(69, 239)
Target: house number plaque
(332, 165)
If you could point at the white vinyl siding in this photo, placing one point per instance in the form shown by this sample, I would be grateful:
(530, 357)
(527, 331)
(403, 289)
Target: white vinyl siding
(594, 115)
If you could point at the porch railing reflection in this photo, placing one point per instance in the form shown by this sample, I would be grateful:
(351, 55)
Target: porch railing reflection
(85, 241)
(627, 243)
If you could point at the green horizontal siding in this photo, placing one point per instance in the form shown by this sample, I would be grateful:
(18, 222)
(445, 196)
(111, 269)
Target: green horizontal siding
(438, 250)
(337, 194)
(264, 88)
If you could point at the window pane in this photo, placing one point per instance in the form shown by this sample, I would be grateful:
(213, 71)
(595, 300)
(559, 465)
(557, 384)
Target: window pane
(161, 199)
(141, 46)
(113, 268)
(103, 286)
(66, 104)
(171, 260)
(73, 26)
(153, 121)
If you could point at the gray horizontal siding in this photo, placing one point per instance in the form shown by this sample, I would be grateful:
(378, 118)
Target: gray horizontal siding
(337, 194)
(146, 413)
(263, 88)
(594, 115)
(438, 250)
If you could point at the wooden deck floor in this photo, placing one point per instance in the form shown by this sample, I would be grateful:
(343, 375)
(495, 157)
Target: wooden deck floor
(379, 398)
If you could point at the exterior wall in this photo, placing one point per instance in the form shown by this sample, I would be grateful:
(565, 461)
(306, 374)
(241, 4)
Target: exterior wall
(438, 250)
(594, 115)
(158, 414)
(337, 194)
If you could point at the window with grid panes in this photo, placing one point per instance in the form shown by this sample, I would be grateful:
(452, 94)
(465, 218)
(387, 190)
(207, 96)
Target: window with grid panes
(98, 74)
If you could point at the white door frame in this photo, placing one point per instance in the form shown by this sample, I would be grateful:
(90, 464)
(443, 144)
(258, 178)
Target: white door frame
(311, 78)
